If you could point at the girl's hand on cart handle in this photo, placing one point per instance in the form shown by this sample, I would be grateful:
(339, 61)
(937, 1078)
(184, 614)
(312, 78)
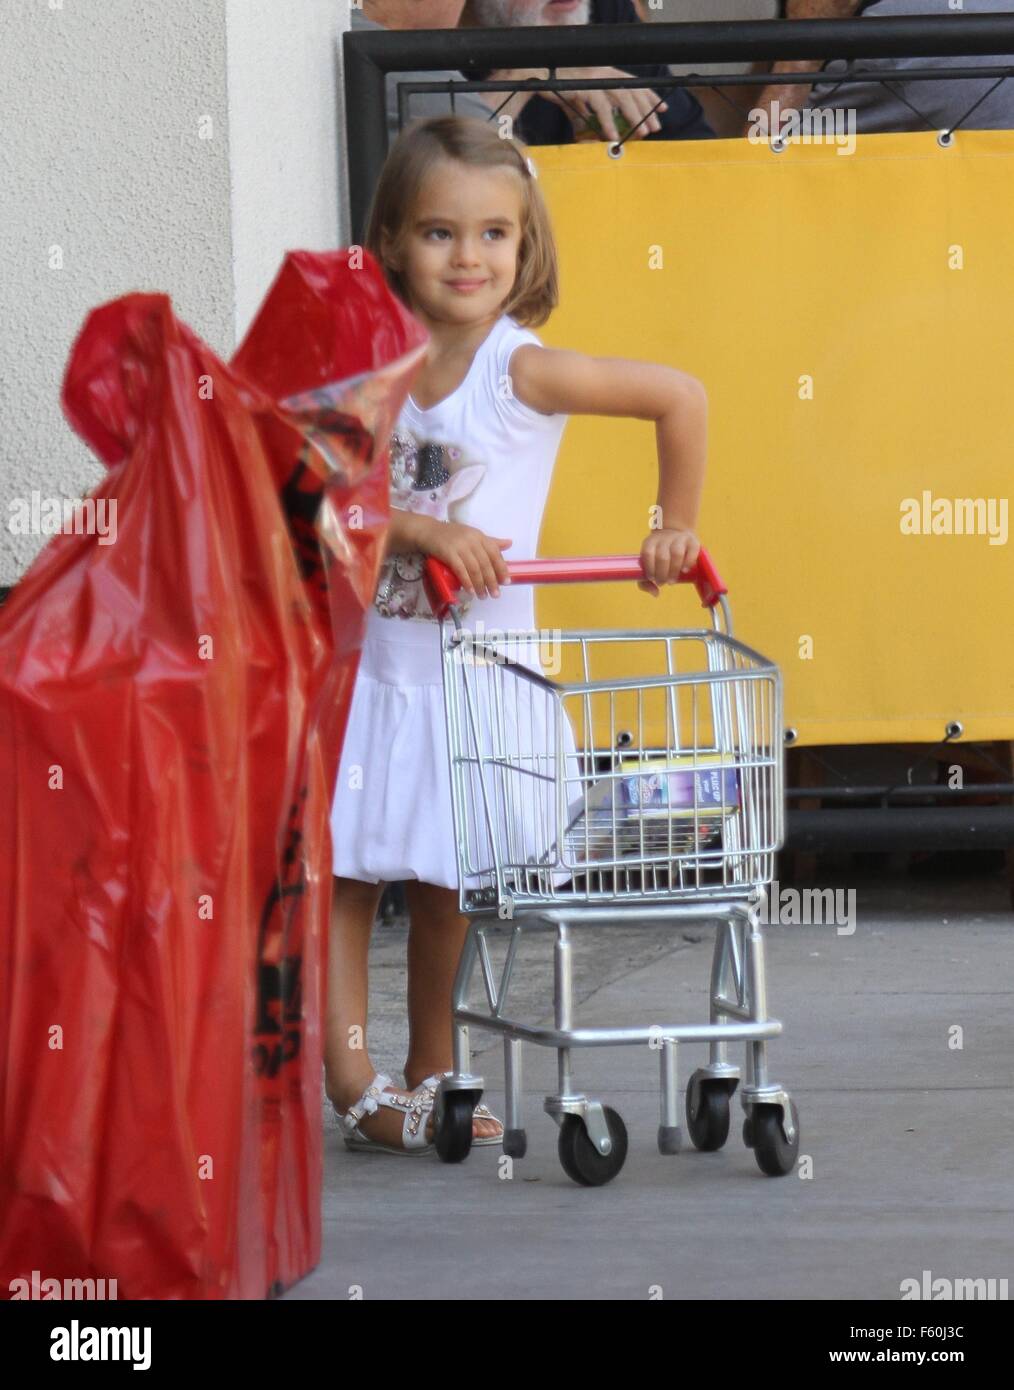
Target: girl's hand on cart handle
(666, 554)
(474, 557)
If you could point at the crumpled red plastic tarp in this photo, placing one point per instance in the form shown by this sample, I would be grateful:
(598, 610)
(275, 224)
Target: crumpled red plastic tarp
(171, 714)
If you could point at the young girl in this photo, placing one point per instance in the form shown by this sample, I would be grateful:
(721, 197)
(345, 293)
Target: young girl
(461, 230)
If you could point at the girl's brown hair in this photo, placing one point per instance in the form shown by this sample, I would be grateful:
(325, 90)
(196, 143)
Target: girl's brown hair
(417, 149)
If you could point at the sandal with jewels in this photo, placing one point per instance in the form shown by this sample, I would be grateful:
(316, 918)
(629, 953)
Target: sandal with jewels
(481, 1112)
(414, 1107)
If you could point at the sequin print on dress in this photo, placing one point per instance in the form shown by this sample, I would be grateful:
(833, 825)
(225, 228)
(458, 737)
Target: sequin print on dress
(428, 479)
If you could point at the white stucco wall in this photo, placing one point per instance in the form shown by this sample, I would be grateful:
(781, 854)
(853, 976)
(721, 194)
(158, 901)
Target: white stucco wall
(173, 145)
(284, 110)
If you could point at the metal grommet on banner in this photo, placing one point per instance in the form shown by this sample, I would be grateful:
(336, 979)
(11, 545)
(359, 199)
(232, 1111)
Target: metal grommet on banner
(615, 150)
(945, 138)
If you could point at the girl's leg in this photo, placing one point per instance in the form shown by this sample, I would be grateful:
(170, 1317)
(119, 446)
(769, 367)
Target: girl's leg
(436, 936)
(347, 1066)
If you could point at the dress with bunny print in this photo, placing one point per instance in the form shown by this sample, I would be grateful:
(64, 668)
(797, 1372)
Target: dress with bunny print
(482, 458)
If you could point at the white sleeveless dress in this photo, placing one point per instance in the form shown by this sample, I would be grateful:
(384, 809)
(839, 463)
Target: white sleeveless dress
(483, 458)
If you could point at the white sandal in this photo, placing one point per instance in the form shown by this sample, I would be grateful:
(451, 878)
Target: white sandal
(481, 1112)
(415, 1108)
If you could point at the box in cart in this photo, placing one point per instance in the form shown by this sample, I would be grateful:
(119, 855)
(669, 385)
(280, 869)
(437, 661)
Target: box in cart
(649, 809)
(669, 787)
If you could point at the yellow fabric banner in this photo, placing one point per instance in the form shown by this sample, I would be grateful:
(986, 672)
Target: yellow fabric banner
(851, 317)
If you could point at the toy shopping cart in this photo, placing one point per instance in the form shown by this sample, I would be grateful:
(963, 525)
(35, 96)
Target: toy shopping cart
(606, 778)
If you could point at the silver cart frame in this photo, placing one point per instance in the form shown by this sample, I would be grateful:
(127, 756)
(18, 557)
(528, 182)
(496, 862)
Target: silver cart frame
(668, 885)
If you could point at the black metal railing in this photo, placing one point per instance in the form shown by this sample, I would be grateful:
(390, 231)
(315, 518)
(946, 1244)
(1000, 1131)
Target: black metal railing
(371, 56)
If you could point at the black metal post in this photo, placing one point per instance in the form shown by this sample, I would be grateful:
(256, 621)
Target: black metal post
(901, 828)
(366, 117)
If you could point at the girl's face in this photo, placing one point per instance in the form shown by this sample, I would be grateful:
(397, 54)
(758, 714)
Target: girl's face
(459, 255)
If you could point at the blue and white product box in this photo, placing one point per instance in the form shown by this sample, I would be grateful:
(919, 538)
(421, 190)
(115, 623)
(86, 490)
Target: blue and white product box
(665, 787)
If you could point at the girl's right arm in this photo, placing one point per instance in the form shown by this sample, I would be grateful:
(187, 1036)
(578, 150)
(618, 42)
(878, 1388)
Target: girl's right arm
(474, 557)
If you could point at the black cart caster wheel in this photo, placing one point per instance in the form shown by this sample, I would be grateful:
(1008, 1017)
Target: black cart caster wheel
(453, 1124)
(774, 1154)
(581, 1161)
(748, 1139)
(515, 1143)
(708, 1114)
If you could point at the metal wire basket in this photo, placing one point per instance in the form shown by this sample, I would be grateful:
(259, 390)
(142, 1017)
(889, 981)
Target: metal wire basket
(667, 782)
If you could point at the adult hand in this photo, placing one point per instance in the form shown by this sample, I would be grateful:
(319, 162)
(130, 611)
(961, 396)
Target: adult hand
(634, 103)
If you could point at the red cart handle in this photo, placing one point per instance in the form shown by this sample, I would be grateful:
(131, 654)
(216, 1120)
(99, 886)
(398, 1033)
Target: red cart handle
(443, 587)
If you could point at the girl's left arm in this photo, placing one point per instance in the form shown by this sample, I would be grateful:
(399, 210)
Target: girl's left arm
(554, 381)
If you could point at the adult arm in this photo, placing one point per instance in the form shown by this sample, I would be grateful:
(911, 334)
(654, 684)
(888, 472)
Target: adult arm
(794, 95)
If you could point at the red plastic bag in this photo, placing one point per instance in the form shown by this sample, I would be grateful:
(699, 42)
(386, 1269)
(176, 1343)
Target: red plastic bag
(171, 713)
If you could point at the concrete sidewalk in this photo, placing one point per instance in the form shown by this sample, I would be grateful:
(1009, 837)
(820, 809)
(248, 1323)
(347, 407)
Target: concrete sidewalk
(910, 1138)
